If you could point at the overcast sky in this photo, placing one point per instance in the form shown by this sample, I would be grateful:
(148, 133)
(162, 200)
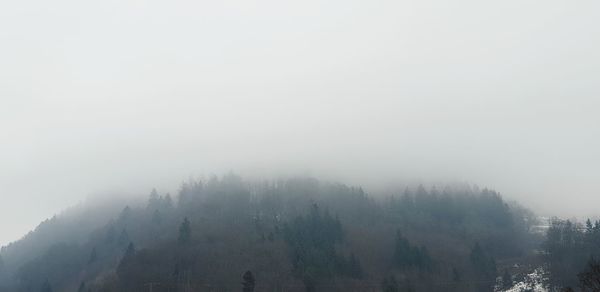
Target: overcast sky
(120, 96)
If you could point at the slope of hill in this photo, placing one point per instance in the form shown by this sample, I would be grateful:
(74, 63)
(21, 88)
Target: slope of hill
(284, 235)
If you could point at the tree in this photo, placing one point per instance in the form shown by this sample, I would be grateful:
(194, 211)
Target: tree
(81, 287)
(128, 256)
(484, 267)
(354, 267)
(185, 231)
(406, 255)
(125, 214)
(46, 287)
(248, 282)
(126, 270)
(153, 200)
(111, 234)
(590, 277)
(156, 217)
(506, 280)
(312, 241)
(456, 275)
(124, 238)
(168, 201)
(589, 228)
(390, 285)
(402, 251)
(482, 262)
(93, 256)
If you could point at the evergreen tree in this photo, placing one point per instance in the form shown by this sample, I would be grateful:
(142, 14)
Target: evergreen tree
(125, 214)
(312, 241)
(111, 234)
(248, 282)
(129, 252)
(402, 251)
(456, 276)
(406, 255)
(506, 280)
(156, 217)
(46, 287)
(168, 201)
(354, 267)
(589, 279)
(127, 259)
(390, 285)
(185, 231)
(81, 287)
(484, 264)
(93, 256)
(127, 268)
(153, 200)
(124, 238)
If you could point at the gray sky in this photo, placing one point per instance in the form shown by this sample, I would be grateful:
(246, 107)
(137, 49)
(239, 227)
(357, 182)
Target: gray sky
(120, 96)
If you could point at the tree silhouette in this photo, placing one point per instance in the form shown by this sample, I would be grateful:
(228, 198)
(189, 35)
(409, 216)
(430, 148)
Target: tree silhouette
(185, 231)
(590, 277)
(93, 256)
(46, 287)
(506, 280)
(248, 282)
(81, 287)
(389, 285)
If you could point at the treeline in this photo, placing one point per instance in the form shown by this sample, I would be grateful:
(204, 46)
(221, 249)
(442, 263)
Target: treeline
(287, 235)
(572, 250)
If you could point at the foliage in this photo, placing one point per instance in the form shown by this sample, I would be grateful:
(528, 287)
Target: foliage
(406, 255)
(298, 234)
(248, 282)
(569, 246)
(185, 231)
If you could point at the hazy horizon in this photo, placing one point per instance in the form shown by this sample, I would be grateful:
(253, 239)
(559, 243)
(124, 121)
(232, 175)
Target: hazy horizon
(123, 96)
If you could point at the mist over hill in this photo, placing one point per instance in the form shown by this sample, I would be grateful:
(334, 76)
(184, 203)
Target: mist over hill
(295, 234)
(378, 146)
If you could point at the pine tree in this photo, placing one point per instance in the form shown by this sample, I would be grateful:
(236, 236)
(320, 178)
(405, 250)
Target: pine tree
(185, 231)
(590, 277)
(129, 252)
(110, 234)
(81, 287)
(125, 214)
(46, 287)
(153, 200)
(390, 285)
(168, 201)
(93, 256)
(127, 259)
(248, 282)
(588, 227)
(506, 280)
(484, 264)
(156, 217)
(124, 238)
(354, 267)
(456, 276)
(402, 251)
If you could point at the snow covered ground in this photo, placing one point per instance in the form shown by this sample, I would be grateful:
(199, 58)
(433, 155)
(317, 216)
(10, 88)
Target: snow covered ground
(535, 281)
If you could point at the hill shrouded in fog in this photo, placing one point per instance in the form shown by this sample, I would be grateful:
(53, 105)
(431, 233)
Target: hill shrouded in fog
(340, 104)
(297, 234)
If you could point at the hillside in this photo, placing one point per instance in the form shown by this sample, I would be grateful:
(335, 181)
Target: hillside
(287, 235)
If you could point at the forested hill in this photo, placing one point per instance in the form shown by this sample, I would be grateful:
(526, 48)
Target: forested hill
(225, 234)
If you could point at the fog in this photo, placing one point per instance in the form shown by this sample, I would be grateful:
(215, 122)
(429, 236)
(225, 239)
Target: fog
(117, 97)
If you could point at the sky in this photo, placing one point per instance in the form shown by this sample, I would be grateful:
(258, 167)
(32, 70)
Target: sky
(99, 98)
